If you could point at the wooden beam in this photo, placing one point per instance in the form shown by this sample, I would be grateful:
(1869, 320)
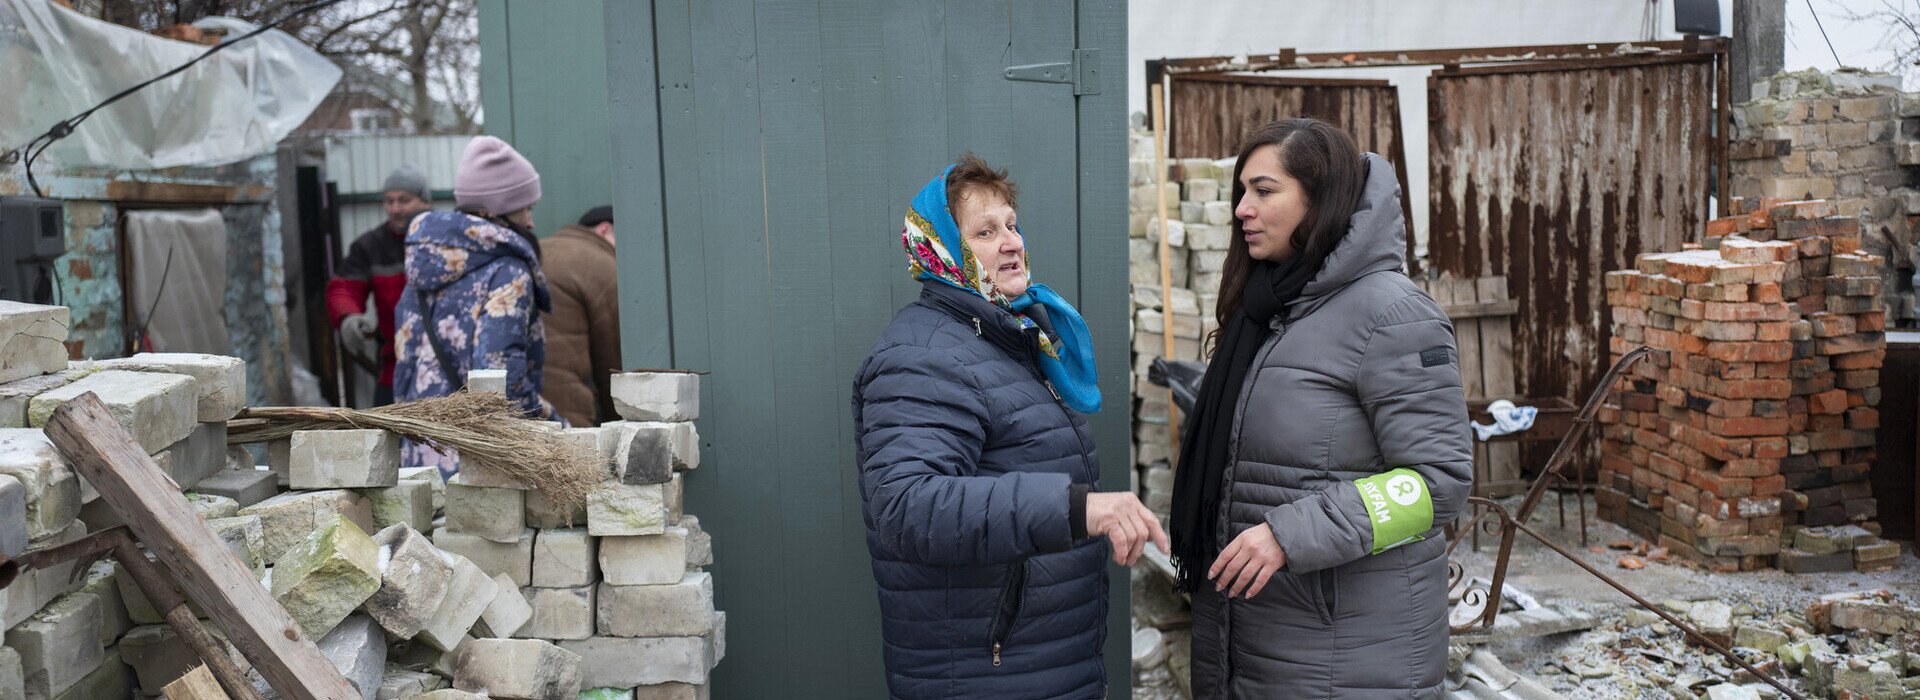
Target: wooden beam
(181, 193)
(197, 684)
(142, 495)
(1458, 310)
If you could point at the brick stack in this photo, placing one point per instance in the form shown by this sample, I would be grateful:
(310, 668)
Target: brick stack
(1755, 412)
(1198, 229)
(505, 593)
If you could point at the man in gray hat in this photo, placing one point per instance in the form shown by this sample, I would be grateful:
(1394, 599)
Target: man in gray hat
(376, 264)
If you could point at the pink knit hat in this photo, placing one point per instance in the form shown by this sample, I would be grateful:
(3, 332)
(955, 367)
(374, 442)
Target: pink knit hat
(494, 176)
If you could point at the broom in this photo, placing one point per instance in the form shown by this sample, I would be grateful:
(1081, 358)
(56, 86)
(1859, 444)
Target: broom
(486, 429)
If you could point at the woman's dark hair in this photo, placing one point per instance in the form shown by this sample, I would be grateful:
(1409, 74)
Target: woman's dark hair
(1328, 166)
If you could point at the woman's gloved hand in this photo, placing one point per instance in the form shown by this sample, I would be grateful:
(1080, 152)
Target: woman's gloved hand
(360, 325)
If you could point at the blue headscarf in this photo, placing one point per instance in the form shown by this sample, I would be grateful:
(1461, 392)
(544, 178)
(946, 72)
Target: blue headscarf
(1066, 355)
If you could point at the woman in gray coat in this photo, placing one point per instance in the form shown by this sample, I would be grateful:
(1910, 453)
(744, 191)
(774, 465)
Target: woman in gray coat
(1328, 444)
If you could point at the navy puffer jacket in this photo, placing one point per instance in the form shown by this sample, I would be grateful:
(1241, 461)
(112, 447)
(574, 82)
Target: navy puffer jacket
(966, 464)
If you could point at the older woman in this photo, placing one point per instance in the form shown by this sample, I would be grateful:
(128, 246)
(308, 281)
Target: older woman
(976, 465)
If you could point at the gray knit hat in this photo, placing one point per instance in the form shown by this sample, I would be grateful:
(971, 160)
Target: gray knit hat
(407, 178)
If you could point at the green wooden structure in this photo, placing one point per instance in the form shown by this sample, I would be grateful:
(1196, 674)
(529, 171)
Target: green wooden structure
(543, 86)
(762, 156)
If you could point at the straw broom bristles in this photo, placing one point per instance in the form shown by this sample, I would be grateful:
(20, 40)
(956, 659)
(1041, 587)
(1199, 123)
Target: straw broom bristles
(486, 429)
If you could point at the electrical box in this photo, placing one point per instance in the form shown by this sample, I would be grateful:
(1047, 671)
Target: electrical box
(32, 236)
(1696, 17)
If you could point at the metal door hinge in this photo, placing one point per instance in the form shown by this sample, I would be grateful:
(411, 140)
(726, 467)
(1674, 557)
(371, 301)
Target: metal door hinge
(1083, 72)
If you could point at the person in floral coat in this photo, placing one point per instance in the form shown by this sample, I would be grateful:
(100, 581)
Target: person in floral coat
(474, 291)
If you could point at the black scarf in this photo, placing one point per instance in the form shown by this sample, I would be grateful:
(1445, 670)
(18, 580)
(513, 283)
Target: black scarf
(1209, 430)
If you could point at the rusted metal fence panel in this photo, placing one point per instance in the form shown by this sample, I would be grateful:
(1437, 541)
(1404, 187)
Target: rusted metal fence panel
(1552, 175)
(1211, 113)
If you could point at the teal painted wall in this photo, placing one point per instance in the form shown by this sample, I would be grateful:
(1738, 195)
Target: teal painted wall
(762, 157)
(543, 88)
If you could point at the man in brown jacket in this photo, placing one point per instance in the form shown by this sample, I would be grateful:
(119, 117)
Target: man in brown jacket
(583, 332)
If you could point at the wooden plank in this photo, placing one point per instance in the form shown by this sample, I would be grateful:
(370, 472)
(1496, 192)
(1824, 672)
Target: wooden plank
(1481, 309)
(1496, 372)
(197, 684)
(152, 506)
(1466, 334)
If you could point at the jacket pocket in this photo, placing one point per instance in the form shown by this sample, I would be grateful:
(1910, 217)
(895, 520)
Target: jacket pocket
(1013, 595)
(1327, 589)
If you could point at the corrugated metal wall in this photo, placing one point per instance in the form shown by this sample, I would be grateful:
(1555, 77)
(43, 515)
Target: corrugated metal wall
(358, 165)
(1553, 176)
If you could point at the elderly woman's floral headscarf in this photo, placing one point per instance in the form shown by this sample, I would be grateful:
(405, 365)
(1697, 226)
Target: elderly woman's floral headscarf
(931, 238)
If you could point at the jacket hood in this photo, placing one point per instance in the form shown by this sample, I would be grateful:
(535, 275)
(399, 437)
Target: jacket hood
(1376, 238)
(461, 243)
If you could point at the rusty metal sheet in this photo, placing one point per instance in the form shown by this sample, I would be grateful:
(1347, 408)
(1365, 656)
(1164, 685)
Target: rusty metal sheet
(1554, 177)
(1209, 115)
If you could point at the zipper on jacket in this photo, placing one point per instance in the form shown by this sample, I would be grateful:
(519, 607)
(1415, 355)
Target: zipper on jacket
(1012, 597)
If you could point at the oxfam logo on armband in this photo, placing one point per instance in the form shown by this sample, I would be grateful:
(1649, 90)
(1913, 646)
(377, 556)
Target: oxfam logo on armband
(1403, 489)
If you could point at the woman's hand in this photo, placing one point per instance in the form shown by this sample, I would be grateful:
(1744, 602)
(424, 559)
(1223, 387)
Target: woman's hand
(1248, 562)
(1126, 522)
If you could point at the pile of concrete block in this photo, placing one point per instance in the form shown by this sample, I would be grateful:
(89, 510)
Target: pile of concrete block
(1756, 410)
(414, 587)
(1199, 226)
(619, 583)
(1847, 137)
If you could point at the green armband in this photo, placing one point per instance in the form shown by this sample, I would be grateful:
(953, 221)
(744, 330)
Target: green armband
(1398, 505)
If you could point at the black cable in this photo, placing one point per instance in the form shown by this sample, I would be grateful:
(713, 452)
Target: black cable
(1823, 35)
(65, 127)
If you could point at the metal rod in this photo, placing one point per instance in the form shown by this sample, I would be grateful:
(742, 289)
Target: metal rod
(1657, 610)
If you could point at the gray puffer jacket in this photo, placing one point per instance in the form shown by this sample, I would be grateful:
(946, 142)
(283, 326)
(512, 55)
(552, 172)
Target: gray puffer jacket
(1350, 441)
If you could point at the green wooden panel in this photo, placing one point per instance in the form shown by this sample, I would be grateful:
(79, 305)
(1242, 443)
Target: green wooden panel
(634, 108)
(788, 138)
(1103, 300)
(551, 60)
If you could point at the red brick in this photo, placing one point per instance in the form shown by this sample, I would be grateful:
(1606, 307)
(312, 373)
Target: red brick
(1845, 244)
(1744, 311)
(1872, 322)
(1666, 466)
(1747, 427)
(1873, 359)
(1772, 370)
(1839, 440)
(1857, 379)
(1726, 330)
(1863, 418)
(1766, 293)
(1753, 388)
(1750, 468)
(1750, 352)
(1745, 251)
(1815, 246)
(1718, 292)
(1833, 226)
(1803, 210)
(1847, 344)
(1727, 226)
(1853, 286)
(1828, 402)
(1856, 265)
(1769, 447)
(1825, 423)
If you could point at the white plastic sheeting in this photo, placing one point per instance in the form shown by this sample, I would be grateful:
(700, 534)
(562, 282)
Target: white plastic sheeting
(55, 63)
(178, 261)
